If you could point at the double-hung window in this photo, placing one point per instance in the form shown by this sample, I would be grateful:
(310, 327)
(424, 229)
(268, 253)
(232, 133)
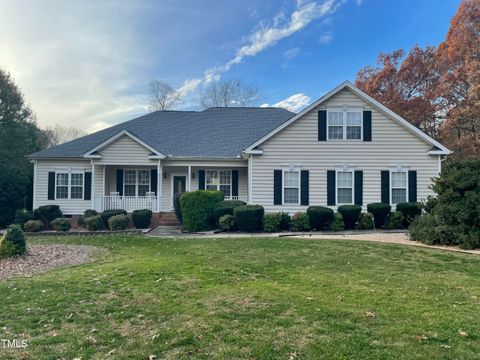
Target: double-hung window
(344, 187)
(69, 185)
(399, 185)
(344, 124)
(291, 187)
(136, 182)
(219, 180)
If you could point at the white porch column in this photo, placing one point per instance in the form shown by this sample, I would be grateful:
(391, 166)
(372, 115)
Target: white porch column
(250, 181)
(189, 182)
(159, 185)
(93, 185)
(103, 187)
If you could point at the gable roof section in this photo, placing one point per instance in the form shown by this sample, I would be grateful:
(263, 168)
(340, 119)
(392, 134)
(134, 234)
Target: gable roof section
(213, 133)
(441, 150)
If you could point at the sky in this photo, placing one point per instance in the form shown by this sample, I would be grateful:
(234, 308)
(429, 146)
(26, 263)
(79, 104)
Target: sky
(88, 63)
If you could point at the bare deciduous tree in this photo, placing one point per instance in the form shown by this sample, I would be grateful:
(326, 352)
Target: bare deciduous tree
(58, 134)
(163, 96)
(228, 93)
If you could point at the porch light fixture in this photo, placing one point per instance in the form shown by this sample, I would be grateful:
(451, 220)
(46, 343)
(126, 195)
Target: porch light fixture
(193, 175)
(165, 175)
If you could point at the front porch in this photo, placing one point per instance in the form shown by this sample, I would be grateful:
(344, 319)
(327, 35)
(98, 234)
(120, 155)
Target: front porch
(130, 187)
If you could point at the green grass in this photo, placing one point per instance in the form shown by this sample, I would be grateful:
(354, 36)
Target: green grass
(264, 298)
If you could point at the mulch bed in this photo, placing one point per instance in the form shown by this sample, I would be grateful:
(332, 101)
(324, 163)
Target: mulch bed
(40, 258)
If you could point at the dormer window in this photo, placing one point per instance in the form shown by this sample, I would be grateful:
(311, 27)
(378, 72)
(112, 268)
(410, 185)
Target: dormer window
(344, 124)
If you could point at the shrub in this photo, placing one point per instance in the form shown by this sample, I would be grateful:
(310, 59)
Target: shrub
(61, 224)
(118, 222)
(271, 222)
(227, 223)
(81, 221)
(225, 208)
(107, 214)
(33, 226)
(380, 213)
(249, 217)
(176, 207)
(197, 209)
(142, 218)
(90, 212)
(430, 203)
(13, 242)
(320, 217)
(22, 216)
(300, 222)
(337, 223)
(94, 223)
(409, 210)
(395, 220)
(47, 213)
(427, 229)
(285, 221)
(350, 214)
(366, 221)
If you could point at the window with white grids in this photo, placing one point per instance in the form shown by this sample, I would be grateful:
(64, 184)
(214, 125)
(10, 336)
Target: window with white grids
(62, 186)
(143, 182)
(344, 124)
(291, 187)
(76, 186)
(219, 180)
(354, 125)
(344, 187)
(399, 186)
(136, 182)
(69, 185)
(335, 125)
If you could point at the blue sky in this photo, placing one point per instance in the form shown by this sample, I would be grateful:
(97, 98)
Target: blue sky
(88, 63)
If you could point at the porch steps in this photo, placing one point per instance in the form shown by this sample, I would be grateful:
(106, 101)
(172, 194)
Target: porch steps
(167, 219)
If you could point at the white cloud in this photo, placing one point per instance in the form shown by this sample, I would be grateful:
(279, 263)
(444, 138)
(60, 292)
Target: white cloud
(267, 36)
(326, 38)
(289, 55)
(359, 2)
(292, 103)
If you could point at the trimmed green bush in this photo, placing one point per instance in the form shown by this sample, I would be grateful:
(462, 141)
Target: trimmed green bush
(225, 207)
(409, 210)
(380, 213)
(249, 217)
(395, 220)
(90, 212)
(33, 226)
(350, 214)
(142, 218)
(320, 217)
(337, 224)
(285, 221)
(94, 223)
(227, 223)
(197, 209)
(61, 224)
(118, 222)
(366, 221)
(22, 216)
(271, 222)
(300, 222)
(47, 213)
(107, 214)
(13, 242)
(176, 207)
(428, 229)
(429, 204)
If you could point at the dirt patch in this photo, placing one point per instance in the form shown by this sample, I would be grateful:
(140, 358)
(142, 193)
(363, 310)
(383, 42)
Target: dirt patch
(40, 258)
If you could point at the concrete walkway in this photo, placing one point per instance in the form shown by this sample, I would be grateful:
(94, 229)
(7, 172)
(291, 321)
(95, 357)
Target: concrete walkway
(379, 236)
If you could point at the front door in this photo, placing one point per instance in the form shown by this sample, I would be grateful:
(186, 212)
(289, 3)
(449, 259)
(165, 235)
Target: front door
(179, 184)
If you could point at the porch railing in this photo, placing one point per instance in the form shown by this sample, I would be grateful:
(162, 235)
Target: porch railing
(128, 203)
(242, 198)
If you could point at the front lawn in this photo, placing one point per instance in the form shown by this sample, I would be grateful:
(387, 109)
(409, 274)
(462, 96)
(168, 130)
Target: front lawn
(263, 298)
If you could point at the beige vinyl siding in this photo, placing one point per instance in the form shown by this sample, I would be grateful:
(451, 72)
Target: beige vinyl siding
(125, 151)
(298, 145)
(68, 206)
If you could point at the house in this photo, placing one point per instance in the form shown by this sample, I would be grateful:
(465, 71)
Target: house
(345, 148)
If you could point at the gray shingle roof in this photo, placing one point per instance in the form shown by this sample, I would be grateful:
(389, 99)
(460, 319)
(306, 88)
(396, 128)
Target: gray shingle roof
(212, 133)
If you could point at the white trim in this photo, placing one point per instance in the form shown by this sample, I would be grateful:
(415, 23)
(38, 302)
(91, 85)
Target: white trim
(250, 179)
(159, 186)
(111, 139)
(34, 195)
(92, 192)
(171, 185)
(344, 110)
(137, 184)
(346, 170)
(103, 186)
(69, 184)
(189, 178)
(218, 173)
(367, 98)
(401, 169)
(298, 171)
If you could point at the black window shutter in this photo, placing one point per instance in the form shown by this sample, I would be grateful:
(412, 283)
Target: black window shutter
(331, 187)
(120, 181)
(322, 125)
(87, 186)
(359, 188)
(412, 186)
(367, 126)
(51, 185)
(277, 187)
(304, 191)
(234, 182)
(153, 180)
(201, 179)
(385, 175)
